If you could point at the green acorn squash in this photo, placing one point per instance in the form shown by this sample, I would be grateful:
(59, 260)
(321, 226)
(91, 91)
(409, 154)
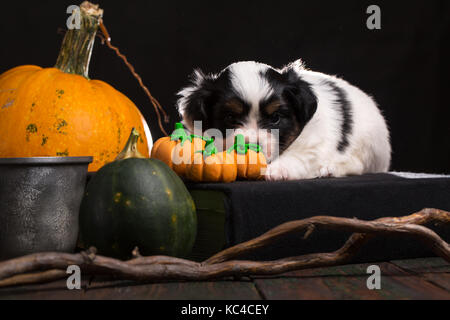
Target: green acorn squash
(135, 201)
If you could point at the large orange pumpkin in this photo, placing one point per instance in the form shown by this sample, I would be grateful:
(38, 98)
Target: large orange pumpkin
(60, 112)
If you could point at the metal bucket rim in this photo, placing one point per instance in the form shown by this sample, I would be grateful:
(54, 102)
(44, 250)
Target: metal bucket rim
(45, 160)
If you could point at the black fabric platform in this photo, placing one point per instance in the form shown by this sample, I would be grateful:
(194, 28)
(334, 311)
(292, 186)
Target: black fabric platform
(252, 208)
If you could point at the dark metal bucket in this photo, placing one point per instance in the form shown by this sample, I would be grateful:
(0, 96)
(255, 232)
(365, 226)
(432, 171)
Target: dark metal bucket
(40, 199)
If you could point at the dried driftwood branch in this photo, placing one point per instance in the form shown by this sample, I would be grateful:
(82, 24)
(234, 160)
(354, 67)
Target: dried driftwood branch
(31, 278)
(408, 224)
(50, 266)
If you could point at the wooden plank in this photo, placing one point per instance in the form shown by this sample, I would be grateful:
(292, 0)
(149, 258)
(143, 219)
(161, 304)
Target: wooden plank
(122, 290)
(424, 265)
(321, 283)
(435, 270)
(404, 279)
(208, 290)
(56, 290)
(348, 282)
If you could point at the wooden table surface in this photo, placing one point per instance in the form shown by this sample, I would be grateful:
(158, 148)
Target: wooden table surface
(402, 279)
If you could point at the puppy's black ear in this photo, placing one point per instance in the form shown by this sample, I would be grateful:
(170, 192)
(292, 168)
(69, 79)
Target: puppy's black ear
(299, 93)
(194, 98)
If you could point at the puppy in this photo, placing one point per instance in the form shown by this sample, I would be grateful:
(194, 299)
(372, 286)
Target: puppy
(325, 126)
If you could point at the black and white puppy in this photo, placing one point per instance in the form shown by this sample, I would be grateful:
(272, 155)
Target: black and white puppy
(327, 127)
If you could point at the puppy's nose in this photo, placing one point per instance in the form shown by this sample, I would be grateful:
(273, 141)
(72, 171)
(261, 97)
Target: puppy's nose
(251, 139)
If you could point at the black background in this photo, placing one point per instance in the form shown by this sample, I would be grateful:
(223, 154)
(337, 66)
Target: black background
(404, 65)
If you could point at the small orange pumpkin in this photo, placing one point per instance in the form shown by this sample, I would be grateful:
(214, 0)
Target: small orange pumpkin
(60, 112)
(212, 166)
(250, 161)
(177, 150)
(196, 158)
(243, 161)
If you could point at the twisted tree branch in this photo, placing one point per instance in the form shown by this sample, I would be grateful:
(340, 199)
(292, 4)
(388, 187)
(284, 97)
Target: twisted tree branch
(382, 225)
(50, 266)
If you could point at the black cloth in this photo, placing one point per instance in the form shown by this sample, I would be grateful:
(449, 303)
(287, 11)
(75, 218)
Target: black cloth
(254, 207)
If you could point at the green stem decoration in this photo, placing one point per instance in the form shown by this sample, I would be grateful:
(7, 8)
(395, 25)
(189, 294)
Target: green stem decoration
(180, 134)
(239, 142)
(76, 49)
(241, 147)
(210, 148)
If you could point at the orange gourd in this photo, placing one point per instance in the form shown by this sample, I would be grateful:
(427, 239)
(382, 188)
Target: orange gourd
(250, 161)
(243, 161)
(61, 112)
(212, 166)
(177, 150)
(196, 158)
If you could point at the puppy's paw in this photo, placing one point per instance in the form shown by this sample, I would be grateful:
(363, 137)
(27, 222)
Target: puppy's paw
(276, 172)
(326, 172)
(285, 169)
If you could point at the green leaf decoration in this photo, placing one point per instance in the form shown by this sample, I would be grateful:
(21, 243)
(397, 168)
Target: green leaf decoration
(241, 147)
(180, 134)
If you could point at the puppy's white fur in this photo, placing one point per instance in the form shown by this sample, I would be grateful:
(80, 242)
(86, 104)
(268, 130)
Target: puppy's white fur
(314, 152)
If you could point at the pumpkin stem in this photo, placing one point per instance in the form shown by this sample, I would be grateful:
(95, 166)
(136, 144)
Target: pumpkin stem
(254, 147)
(241, 147)
(180, 134)
(130, 150)
(210, 148)
(77, 45)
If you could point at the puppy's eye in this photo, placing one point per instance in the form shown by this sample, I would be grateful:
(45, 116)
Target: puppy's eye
(229, 117)
(275, 118)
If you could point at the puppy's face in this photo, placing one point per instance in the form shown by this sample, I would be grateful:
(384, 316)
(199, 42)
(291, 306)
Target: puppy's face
(269, 106)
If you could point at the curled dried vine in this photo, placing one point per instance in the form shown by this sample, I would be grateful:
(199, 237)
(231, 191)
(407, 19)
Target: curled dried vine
(44, 267)
(156, 105)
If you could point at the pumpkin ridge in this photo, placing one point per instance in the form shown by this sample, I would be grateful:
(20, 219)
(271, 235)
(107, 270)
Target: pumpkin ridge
(157, 145)
(146, 135)
(30, 83)
(126, 114)
(14, 70)
(9, 91)
(116, 114)
(46, 99)
(165, 187)
(18, 74)
(183, 221)
(247, 161)
(9, 95)
(145, 142)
